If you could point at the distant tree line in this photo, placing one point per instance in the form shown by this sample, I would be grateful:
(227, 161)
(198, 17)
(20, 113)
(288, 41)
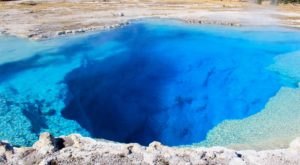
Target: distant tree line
(275, 2)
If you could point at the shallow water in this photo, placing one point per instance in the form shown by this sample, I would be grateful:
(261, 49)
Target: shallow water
(148, 81)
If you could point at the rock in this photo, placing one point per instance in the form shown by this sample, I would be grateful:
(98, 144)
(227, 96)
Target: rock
(68, 142)
(45, 143)
(48, 144)
(43, 36)
(155, 146)
(3, 31)
(79, 31)
(59, 33)
(75, 149)
(6, 152)
(69, 31)
(295, 144)
(31, 35)
(5, 147)
(29, 3)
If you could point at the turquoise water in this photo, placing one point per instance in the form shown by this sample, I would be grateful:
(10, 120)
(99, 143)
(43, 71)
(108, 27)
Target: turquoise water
(151, 80)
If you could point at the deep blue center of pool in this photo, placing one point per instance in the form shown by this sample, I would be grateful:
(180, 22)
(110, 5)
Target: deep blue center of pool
(150, 81)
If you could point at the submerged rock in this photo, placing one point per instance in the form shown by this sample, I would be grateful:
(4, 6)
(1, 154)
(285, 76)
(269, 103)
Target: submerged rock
(75, 149)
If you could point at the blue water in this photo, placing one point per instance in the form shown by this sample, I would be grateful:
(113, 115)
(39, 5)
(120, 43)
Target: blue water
(151, 80)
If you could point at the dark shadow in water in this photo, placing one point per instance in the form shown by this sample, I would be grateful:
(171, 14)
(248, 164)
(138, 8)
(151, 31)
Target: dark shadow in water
(118, 98)
(40, 60)
(33, 112)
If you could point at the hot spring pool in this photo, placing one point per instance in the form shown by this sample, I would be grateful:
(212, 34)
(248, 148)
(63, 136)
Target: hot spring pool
(168, 82)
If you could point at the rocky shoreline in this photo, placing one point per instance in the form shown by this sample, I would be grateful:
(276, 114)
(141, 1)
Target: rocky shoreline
(119, 25)
(75, 149)
(43, 19)
(55, 34)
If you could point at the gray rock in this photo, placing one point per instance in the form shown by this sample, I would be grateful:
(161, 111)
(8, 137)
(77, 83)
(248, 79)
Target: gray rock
(75, 149)
(59, 33)
(79, 31)
(69, 31)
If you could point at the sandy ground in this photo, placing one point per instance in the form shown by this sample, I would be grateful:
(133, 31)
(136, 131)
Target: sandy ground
(40, 19)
